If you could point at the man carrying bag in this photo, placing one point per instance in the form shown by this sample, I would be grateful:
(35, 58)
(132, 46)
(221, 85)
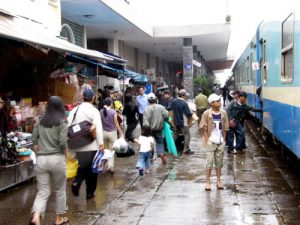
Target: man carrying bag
(85, 154)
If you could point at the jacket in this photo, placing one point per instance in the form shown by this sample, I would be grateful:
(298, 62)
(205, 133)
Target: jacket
(238, 111)
(179, 107)
(154, 117)
(50, 140)
(207, 124)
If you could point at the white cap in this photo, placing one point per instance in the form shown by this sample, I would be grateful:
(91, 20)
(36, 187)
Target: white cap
(151, 96)
(213, 98)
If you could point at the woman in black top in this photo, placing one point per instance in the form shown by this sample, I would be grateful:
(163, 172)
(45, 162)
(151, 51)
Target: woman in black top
(131, 113)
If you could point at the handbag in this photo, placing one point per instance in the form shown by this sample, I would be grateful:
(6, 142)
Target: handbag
(80, 134)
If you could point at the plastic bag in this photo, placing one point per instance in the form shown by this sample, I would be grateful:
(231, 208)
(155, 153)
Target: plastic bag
(120, 146)
(103, 161)
(72, 166)
(169, 139)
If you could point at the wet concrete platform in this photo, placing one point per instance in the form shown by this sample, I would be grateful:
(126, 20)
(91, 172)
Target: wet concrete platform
(259, 189)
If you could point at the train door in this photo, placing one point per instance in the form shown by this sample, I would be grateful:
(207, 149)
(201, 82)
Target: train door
(261, 81)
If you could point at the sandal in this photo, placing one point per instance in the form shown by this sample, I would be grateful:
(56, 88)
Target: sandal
(220, 186)
(65, 220)
(36, 222)
(207, 187)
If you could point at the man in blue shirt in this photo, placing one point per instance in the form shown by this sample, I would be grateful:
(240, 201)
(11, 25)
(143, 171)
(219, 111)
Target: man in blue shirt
(142, 103)
(181, 113)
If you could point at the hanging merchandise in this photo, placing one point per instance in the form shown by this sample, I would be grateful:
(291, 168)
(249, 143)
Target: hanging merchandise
(8, 152)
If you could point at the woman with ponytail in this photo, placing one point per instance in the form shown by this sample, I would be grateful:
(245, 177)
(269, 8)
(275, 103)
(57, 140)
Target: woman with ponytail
(110, 125)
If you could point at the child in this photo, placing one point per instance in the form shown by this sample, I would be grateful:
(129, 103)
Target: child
(214, 125)
(146, 146)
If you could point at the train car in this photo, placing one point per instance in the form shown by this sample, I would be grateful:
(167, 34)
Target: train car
(269, 71)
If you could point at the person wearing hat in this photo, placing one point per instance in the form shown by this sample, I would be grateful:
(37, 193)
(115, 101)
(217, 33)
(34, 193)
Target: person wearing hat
(237, 111)
(85, 155)
(233, 95)
(213, 126)
(201, 104)
(154, 117)
(180, 112)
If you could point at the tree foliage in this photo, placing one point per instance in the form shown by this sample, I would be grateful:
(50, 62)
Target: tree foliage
(204, 83)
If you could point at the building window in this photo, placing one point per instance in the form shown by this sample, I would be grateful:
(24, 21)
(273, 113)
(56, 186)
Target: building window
(67, 33)
(287, 53)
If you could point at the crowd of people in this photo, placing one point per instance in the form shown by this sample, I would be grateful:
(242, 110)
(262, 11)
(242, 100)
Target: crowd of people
(104, 109)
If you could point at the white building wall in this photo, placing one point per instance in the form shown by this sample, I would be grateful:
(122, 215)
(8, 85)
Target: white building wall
(129, 55)
(46, 12)
(152, 62)
(142, 62)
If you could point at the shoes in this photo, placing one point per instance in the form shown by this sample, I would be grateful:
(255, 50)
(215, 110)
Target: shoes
(141, 172)
(75, 189)
(90, 196)
(189, 152)
(232, 151)
(163, 159)
(64, 221)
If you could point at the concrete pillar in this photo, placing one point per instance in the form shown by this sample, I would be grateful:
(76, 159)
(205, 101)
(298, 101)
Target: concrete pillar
(113, 47)
(188, 65)
(136, 59)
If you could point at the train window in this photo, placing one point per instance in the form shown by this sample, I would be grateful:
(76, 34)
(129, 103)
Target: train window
(287, 56)
(253, 78)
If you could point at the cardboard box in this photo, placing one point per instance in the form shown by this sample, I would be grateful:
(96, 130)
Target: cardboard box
(67, 92)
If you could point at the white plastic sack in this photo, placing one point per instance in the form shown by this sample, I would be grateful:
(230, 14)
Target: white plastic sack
(120, 145)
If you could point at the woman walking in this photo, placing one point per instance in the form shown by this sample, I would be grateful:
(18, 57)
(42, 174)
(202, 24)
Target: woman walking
(50, 142)
(110, 125)
(131, 112)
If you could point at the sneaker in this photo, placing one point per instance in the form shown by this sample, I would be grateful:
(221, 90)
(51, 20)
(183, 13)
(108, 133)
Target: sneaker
(234, 151)
(141, 172)
(189, 152)
(90, 196)
(75, 189)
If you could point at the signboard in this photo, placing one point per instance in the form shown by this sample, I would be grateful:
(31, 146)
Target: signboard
(148, 89)
(255, 66)
(151, 74)
(188, 66)
(196, 63)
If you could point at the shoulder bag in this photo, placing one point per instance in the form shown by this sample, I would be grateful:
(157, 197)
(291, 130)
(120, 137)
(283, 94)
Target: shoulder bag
(80, 134)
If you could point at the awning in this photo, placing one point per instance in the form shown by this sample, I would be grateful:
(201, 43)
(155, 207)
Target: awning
(136, 78)
(102, 68)
(36, 35)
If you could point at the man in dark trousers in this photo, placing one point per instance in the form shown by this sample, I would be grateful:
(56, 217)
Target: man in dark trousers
(237, 111)
(180, 112)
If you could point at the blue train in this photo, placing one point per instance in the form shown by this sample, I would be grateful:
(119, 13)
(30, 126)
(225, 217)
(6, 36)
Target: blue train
(269, 71)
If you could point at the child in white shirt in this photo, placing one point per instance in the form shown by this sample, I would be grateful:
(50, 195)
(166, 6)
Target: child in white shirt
(146, 146)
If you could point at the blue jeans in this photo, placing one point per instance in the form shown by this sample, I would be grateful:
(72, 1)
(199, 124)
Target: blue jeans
(239, 131)
(144, 160)
(159, 139)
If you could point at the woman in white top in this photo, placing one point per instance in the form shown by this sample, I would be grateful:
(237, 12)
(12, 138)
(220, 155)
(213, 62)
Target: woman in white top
(146, 147)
